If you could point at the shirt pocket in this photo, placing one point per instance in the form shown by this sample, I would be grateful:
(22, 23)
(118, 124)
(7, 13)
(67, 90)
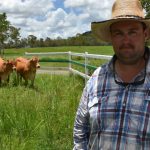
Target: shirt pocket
(139, 116)
(146, 127)
(110, 108)
(103, 112)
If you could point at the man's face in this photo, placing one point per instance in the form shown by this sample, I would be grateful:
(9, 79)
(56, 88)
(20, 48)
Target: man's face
(128, 38)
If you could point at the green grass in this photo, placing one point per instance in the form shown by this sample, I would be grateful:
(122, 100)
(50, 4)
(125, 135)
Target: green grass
(39, 118)
(42, 118)
(80, 49)
(103, 50)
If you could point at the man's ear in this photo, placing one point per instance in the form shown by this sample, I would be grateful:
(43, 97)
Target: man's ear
(147, 34)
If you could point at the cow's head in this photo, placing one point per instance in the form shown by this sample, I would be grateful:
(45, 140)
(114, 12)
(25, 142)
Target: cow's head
(35, 62)
(10, 65)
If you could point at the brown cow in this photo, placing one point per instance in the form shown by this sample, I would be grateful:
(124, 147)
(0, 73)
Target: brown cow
(6, 68)
(26, 69)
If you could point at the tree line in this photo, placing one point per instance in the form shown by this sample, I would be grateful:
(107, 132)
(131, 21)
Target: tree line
(79, 40)
(10, 36)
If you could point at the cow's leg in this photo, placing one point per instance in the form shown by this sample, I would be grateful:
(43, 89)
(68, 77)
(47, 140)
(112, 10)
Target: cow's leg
(8, 78)
(0, 81)
(18, 78)
(32, 81)
(26, 82)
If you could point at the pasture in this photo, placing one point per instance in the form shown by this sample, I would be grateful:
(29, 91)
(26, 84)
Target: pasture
(102, 50)
(42, 117)
(39, 118)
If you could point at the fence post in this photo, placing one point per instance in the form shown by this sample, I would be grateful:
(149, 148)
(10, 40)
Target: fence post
(69, 57)
(86, 62)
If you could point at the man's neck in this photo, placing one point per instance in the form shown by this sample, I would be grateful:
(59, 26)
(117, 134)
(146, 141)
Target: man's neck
(127, 72)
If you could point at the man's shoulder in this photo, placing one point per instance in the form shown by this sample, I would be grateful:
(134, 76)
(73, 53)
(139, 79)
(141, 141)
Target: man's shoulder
(101, 70)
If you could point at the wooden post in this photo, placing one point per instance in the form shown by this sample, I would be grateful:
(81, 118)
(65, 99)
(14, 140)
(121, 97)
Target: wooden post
(69, 56)
(86, 63)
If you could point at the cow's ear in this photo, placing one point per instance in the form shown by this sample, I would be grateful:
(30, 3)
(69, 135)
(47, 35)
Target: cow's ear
(31, 60)
(35, 58)
(8, 61)
(14, 61)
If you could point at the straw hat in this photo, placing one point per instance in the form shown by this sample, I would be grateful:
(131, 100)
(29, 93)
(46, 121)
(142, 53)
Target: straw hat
(121, 10)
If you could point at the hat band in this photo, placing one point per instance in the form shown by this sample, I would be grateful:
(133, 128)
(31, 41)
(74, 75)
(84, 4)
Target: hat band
(128, 16)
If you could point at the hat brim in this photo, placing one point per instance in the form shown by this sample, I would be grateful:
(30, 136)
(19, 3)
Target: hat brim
(102, 29)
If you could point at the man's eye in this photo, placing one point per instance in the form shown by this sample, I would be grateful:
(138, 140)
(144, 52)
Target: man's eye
(117, 34)
(132, 33)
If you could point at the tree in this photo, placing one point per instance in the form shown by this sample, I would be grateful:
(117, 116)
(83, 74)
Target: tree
(32, 40)
(23, 42)
(40, 42)
(146, 6)
(14, 35)
(4, 26)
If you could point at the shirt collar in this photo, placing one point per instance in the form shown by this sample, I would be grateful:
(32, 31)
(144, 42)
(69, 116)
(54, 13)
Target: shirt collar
(141, 74)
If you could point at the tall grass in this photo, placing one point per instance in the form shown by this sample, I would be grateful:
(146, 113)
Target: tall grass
(39, 118)
(42, 118)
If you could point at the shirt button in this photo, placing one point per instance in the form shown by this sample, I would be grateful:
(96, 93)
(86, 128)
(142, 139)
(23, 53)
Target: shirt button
(124, 104)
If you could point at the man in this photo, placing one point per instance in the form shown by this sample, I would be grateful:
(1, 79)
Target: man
(114, 111)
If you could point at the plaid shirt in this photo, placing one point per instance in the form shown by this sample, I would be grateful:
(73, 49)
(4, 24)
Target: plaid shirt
(111, 116)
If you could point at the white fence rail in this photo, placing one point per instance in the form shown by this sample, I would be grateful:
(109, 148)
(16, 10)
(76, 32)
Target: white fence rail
(85, 55)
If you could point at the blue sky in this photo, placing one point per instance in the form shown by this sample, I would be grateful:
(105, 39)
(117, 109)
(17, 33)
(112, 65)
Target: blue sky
(59, 4)
(55, 18)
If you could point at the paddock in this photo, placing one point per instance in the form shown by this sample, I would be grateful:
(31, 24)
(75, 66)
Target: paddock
(66, 70)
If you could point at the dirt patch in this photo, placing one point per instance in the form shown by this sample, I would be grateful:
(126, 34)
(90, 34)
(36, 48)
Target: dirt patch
(57, 72)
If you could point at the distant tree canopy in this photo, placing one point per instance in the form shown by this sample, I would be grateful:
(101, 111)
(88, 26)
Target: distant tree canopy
(8, 33)
(146, 6)
(4, 26)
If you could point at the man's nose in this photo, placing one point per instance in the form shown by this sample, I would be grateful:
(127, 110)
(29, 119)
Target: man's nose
(126, 38)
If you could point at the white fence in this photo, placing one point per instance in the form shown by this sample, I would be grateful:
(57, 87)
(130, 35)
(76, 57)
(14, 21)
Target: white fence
(85, 55)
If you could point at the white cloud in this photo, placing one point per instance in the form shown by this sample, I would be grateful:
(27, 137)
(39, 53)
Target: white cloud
(97, 9)
(74, 3)
(26, 8)
(43, 19)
